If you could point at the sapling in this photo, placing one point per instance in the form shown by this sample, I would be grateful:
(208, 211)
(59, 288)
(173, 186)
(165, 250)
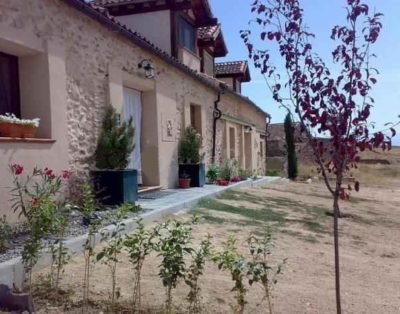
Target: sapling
(88, 209)
(195, 271)
(59, 253)
(259, 268)
(139, 245)
(333, 107)
(114, 239)
(173, 247)
(230, 259)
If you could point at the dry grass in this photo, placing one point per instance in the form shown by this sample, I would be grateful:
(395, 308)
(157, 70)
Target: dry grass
(295, 213)
(368, 174)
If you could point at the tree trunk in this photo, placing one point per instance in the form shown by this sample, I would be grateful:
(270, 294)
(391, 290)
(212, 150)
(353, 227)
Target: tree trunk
(336, 215)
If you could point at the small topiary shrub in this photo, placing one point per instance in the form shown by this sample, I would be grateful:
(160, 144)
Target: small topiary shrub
(115, 142)
(189, 147)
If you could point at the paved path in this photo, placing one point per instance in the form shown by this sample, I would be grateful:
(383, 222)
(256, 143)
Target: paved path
(185, 198)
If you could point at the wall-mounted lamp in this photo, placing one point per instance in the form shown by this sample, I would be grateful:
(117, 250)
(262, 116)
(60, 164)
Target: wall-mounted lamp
(248, 129)
(148, 68)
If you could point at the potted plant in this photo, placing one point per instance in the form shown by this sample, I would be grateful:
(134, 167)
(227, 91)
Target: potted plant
(184, 181)
(212, 174)
(114, 184)
(12, 126)
(227, 172)
(190, 158)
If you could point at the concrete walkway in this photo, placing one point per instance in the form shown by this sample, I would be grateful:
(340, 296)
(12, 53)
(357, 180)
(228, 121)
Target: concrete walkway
(180, 200)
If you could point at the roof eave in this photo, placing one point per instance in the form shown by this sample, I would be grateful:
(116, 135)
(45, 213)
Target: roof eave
(86, 9)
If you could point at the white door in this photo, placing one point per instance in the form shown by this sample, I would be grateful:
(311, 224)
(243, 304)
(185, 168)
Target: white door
(133, 108)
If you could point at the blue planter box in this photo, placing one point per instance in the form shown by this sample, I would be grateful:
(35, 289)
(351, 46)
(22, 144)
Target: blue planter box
(196, 172)
(115, 187)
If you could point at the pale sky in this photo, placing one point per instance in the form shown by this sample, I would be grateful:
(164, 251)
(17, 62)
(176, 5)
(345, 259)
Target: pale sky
(321, 16)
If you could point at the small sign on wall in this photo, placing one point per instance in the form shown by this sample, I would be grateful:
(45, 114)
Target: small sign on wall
(168, 127)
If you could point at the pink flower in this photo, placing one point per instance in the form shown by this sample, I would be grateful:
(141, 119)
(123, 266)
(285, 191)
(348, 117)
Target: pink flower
(66, 174)
(49, 173)
(17, 169)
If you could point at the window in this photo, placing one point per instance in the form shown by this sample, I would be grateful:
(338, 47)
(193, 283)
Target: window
(9, 85)
(195, 118)
(187, 35)
(232, 143)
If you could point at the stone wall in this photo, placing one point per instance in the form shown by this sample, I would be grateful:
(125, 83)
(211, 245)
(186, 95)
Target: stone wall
(90, 50)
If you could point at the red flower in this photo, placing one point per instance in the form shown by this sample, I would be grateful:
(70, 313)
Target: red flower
(49, 173)
(34, 201)
(66, 174)
(17, 169)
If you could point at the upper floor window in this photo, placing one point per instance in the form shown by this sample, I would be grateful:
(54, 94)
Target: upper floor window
(187, 35)
(9, 85)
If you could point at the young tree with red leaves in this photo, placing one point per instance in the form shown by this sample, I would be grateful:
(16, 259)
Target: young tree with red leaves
(333, 109)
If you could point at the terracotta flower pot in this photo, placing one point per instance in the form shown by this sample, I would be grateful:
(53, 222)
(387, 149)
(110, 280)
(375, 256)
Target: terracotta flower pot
(8, 129)
(28, 131)
(222, 182)
(184, 183)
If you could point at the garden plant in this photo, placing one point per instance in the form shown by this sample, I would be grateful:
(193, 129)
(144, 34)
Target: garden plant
(37, 197)
(114, 243)
(260, 269)
(195, 271)
(230, 259)
(139, 245)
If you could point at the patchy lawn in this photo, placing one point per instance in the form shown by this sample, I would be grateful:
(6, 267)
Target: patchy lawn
(295, 213)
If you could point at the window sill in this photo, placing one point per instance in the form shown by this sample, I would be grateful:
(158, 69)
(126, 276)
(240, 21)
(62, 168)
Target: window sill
(26, 140)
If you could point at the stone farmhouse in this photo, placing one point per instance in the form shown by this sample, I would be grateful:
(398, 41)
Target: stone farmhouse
(65, 61)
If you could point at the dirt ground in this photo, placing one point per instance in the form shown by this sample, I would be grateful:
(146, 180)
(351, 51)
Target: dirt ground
(295, 213)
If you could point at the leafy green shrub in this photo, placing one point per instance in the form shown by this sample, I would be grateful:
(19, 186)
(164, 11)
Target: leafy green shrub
(59, 253)
(115, 142)
(189, 147)
(5, 233)
(245, 174)
(228, 169)
(260, 270)
(195, 271)
(173, 246)
(230, 259)
(88, 209)
(109, 255)
(139, 245)
(212, 173)
(272, 173)
(37, 197)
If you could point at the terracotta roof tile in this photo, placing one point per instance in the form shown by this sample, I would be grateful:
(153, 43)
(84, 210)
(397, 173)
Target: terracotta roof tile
(118, 2)
(209, 32)
(233, 67)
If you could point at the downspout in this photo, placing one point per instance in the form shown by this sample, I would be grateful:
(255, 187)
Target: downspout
(216, 116)
(267, 135)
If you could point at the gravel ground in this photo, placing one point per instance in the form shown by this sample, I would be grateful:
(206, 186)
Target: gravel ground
(75, 228)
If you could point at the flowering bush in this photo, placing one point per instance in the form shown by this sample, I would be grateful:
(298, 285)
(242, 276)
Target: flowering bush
(36, 197)
(11, 118)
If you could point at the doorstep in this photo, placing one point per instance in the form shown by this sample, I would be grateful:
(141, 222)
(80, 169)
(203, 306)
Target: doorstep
(147, 189)
(11, 271)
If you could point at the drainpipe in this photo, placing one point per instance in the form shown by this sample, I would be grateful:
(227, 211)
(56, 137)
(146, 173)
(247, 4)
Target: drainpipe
(268, 121)
(217, 115)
